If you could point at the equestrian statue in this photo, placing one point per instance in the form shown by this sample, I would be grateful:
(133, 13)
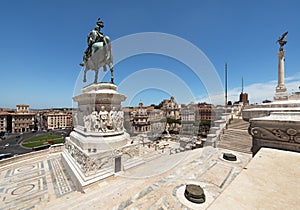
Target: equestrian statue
(98, 53)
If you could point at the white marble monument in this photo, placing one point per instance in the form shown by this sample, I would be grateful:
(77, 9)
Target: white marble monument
(99, 145)
(95, 147)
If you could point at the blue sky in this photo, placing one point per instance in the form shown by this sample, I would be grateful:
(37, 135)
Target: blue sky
(42, 43)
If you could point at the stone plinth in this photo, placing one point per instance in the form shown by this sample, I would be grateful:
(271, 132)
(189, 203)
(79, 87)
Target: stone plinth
(95, 148)
(280, 130)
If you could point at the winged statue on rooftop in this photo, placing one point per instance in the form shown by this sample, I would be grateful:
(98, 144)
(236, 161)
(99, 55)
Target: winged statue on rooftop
(281, 41)
(98, 53)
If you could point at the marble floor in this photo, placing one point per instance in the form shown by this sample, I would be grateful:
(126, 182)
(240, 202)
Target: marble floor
(157, 184)
(30, 184)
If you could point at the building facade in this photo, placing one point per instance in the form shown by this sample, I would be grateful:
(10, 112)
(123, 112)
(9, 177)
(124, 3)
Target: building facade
(188, 124)
(171, 109)
(22, 120)
(57, 120)
(203, 112)
(4, 121)
(141, 122)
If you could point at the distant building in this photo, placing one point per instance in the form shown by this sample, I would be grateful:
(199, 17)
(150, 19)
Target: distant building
(4, 118)
(244, 98)
(203, 112)
(57, 119)
(140, 120)
(171, 109)
(188, 120)
(172, 113)
(157, 123)
(128, 118)
(22, 120)
(188, 113)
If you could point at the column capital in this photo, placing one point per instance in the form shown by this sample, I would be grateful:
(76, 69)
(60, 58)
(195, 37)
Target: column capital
(281, 54)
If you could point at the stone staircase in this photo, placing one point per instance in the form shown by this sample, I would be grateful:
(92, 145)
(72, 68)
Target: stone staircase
(236, 137)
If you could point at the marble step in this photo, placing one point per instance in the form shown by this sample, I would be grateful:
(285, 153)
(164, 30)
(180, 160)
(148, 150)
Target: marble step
(243, 146)
(151, 156)
(241, 140)
(236, 138)
(237, 135)
(237, 149)
(133, 163)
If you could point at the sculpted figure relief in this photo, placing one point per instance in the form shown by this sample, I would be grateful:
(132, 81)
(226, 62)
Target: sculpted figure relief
(104, 121)
(120, 120)
(103, 117)
(112, 119)
(95, 121)
(87, 122)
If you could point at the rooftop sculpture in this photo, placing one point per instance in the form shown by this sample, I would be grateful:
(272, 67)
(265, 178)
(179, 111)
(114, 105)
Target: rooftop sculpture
(281, 41)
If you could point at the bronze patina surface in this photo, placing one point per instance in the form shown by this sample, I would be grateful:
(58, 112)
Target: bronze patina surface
(194, 193)
(229, 156)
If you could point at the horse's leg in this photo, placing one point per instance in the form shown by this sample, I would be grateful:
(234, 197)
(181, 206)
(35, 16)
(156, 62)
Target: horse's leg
(96, 76)
(111, 71)
(84, 77)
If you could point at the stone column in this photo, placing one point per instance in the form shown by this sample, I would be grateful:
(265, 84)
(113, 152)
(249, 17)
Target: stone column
(281, 88)
(281, 69)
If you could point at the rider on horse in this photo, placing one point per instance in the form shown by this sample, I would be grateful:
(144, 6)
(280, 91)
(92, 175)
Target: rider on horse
(94, 36)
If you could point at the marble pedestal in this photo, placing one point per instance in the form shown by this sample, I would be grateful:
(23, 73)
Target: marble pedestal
(94, 150)
(281, 94)
(280, 130)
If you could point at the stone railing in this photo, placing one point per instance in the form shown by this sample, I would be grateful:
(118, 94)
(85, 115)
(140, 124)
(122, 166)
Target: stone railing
(215, 132)
(56, 148)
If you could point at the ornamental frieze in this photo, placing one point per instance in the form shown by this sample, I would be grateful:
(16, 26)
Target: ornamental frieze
(286, 135)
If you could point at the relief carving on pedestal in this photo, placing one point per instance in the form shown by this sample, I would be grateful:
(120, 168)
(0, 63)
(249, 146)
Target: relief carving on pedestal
(104, 121)
(289, 135)
(88, 165)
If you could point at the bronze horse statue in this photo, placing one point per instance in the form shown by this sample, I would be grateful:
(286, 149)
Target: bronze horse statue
(100, 57)
(98, 54)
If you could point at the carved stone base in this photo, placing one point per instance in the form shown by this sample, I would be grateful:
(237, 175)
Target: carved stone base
(280, 130)
(81, 180)
(281, 94)
(88, 166)
(98, 146)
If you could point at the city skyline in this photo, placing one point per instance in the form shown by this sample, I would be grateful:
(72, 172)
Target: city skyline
(42, 45)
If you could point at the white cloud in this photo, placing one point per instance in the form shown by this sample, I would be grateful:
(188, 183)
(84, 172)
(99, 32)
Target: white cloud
(258, 92)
